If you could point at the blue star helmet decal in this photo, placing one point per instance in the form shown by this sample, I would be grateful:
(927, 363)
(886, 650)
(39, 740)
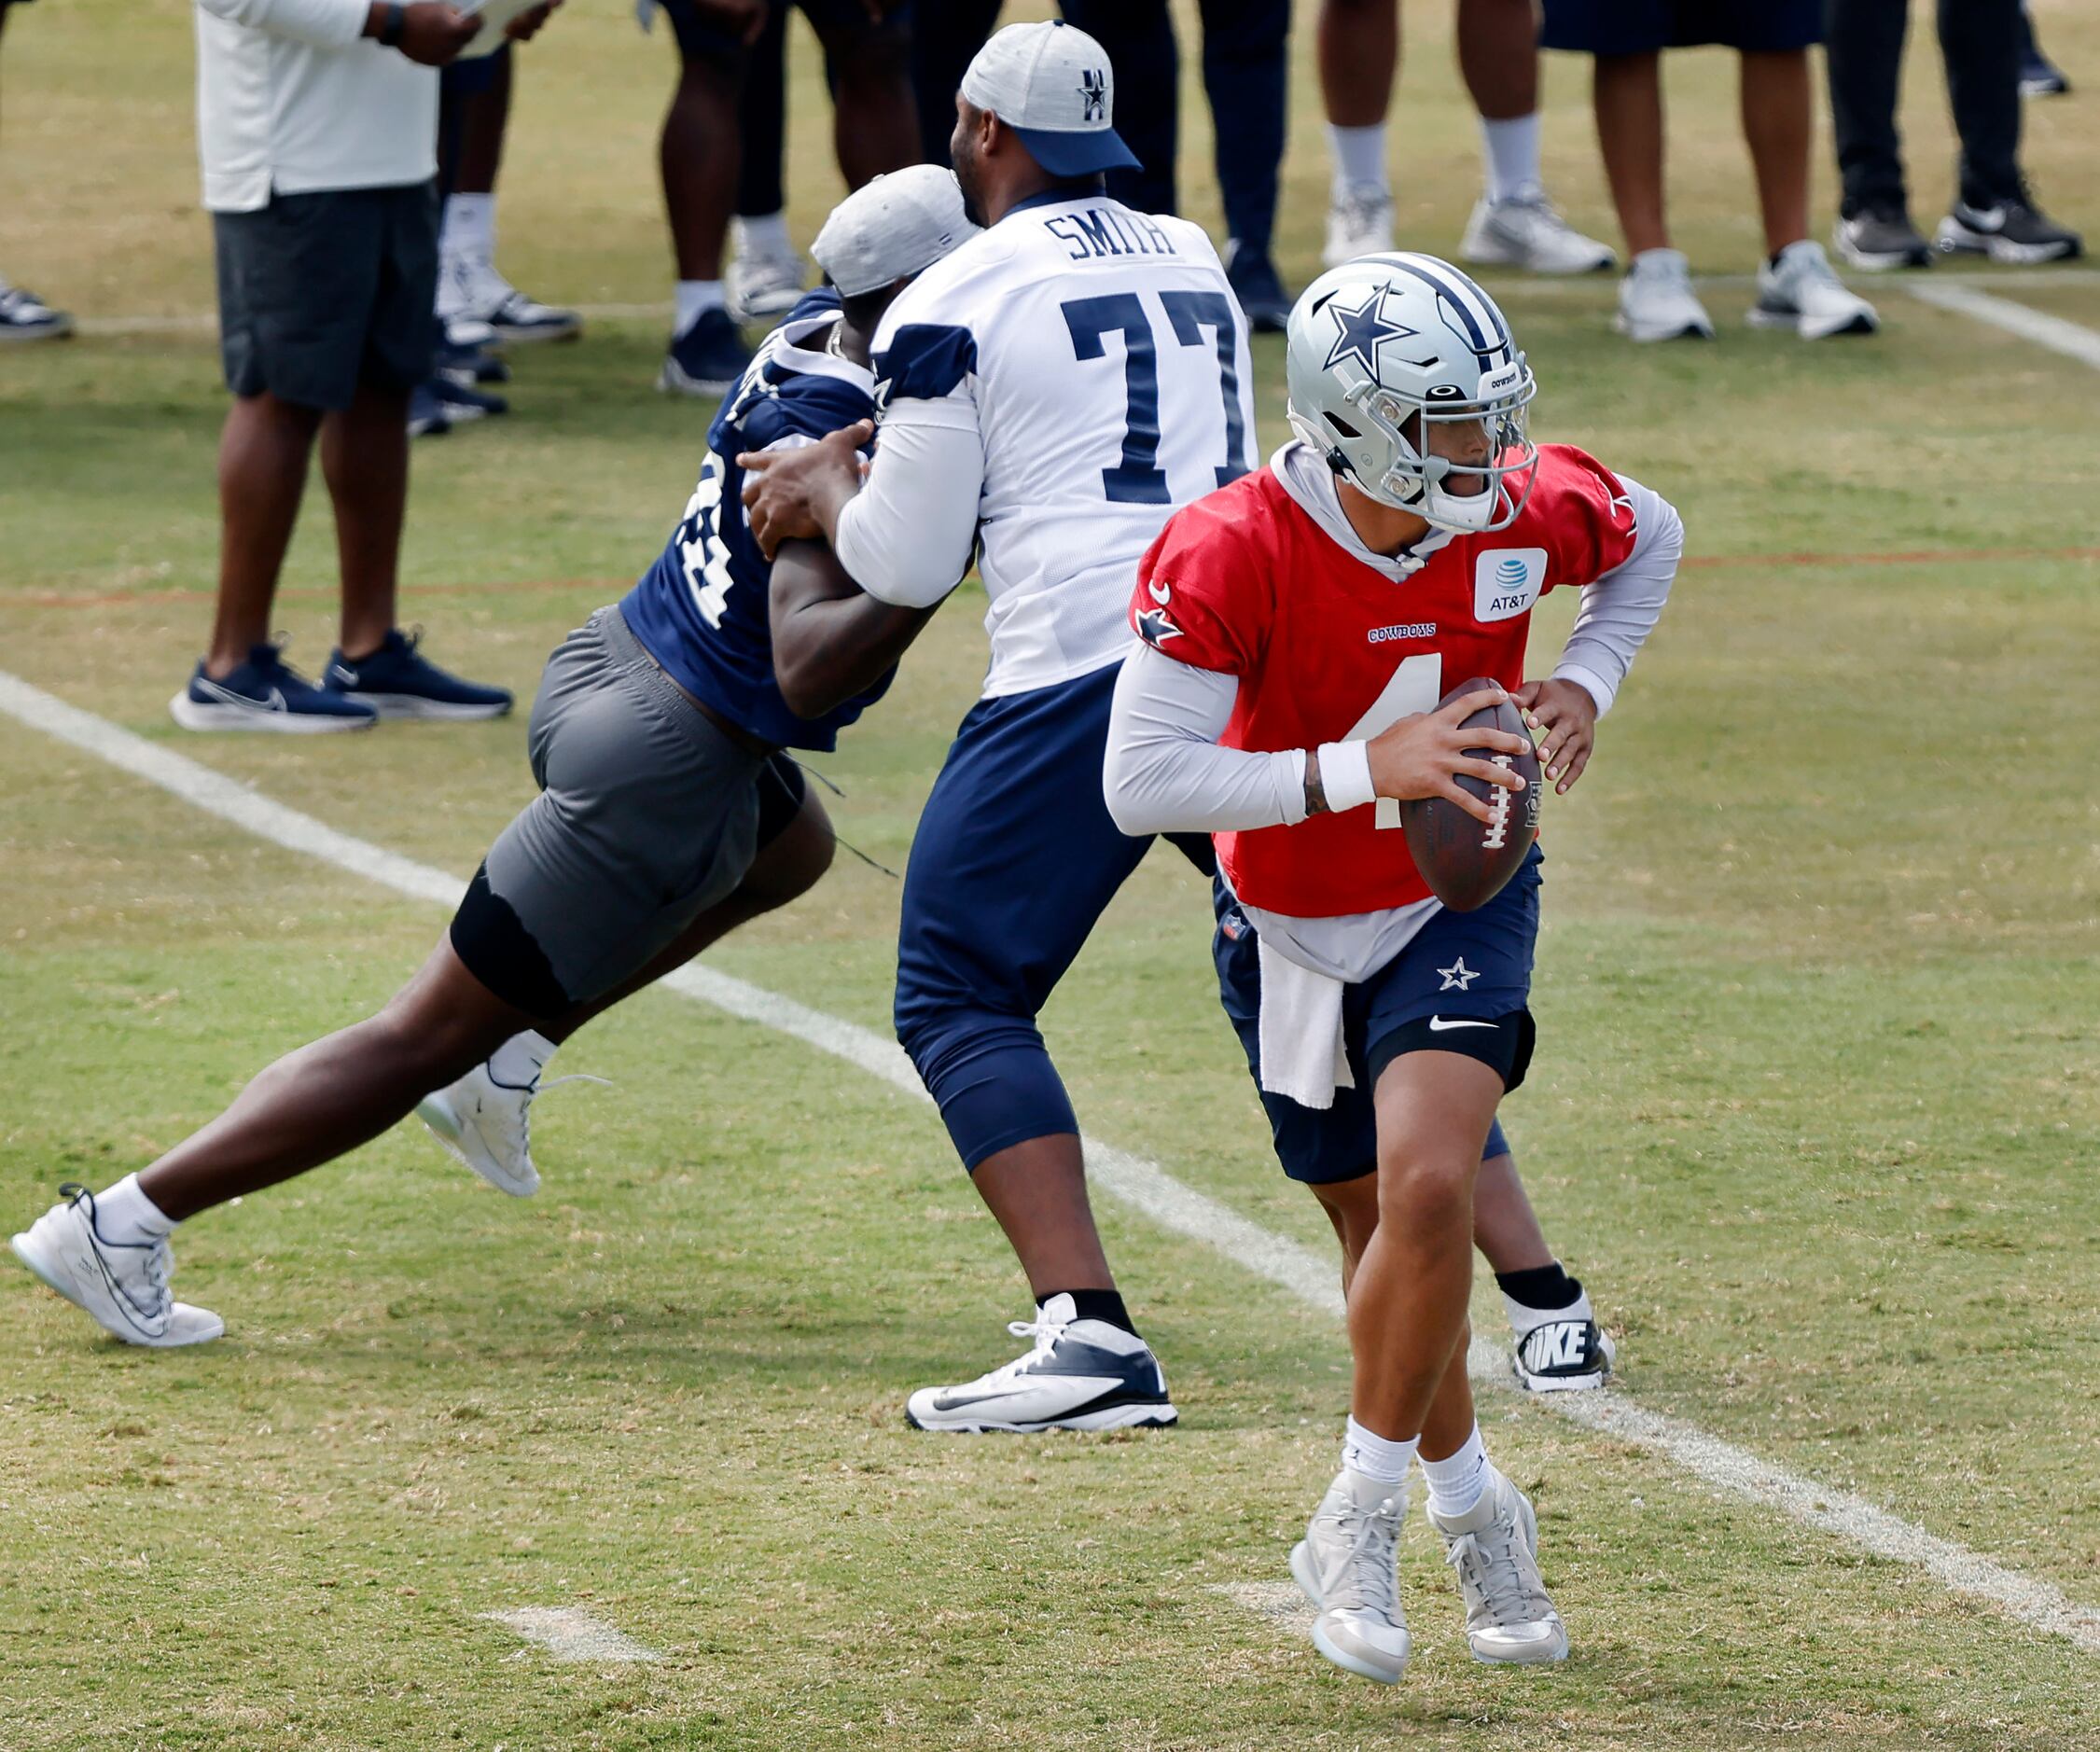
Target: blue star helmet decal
(1360, 331)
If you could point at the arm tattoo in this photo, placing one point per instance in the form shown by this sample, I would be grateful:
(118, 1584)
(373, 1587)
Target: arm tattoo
(1316, 792)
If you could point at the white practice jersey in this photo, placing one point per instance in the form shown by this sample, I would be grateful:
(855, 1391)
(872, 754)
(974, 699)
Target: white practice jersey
(1101, 358)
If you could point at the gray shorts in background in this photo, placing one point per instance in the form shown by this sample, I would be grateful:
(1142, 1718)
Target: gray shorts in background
(647, 816)
(319, 293)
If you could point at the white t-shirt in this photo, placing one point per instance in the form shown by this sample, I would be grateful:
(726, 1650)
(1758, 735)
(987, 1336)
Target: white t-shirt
(1057, 387)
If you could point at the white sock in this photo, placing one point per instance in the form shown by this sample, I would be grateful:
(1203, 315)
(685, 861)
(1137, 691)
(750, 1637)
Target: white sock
(1376, 1457)
(124, 1214)
(1359, 156)
(696, 298)
(468, 232)
(1523, 1317)
(522, 1058)
(1511, 155)
(761, 234)
(1455, 1484)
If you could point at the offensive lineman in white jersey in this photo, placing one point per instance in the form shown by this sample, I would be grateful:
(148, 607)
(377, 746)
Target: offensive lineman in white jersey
(1051, 394)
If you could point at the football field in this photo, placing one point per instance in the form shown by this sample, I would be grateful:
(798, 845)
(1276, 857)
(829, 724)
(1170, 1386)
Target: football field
(1815, 1113)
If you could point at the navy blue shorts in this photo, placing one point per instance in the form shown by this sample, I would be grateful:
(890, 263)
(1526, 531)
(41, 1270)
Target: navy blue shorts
(843, 22)
(1461, 965)
(1639, 27)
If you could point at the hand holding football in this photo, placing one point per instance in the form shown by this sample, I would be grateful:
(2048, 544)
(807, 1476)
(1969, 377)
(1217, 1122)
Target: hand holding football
(1472, 818)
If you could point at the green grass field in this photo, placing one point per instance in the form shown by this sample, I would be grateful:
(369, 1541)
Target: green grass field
(1815, 1111)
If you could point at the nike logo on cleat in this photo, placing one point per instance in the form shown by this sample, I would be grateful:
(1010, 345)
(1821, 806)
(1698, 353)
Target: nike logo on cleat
(1437, 1025)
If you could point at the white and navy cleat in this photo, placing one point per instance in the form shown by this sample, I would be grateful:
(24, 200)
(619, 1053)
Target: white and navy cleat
(1080, 1374)
(121, 1285)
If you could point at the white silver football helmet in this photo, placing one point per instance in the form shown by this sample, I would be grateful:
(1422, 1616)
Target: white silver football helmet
(1384, 351)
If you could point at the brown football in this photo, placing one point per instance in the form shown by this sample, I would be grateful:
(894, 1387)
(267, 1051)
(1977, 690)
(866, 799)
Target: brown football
(1465, 861)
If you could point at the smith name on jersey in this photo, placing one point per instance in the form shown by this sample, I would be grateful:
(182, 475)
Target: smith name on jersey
(1247, 583)
(701, 609)
(1099, 354)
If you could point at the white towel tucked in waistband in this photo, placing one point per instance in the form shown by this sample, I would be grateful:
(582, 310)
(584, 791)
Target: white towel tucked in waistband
(1302, 1053)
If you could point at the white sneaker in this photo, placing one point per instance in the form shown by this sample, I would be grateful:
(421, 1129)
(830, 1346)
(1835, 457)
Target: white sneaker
(1081, 1374)
(486, 1119)
(1524, 231)
(1359, 223)
(1494, 1546)
(762, 284)
(123, 1285)
(1562, 1352)
(1348, 1566)
(1803, 293)
(472, 296)
(1655, 302)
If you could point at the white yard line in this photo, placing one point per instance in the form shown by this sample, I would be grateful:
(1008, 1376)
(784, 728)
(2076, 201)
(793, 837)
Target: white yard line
(1308, 1275)
(2074, 340)
(571, 1633)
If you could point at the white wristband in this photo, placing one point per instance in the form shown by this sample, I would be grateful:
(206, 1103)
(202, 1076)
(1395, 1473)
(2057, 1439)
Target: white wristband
(1600, 690)
(1345, 774)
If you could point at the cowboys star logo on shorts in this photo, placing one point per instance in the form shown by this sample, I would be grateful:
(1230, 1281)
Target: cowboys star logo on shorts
(1093, 88)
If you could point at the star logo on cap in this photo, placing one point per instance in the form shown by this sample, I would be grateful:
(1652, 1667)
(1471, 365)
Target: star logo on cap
(1093, 89)
(1361, 330)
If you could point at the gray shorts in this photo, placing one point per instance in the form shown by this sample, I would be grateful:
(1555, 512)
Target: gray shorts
(647, 816)
(319, 293)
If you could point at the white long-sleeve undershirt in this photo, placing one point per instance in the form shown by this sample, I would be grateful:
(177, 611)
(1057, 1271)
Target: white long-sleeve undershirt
(907, 536)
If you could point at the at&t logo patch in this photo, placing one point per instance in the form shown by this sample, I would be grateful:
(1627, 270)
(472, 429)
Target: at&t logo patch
(1507, 582)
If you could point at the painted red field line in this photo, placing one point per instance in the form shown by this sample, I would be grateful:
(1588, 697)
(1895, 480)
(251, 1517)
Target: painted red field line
(1701, 561)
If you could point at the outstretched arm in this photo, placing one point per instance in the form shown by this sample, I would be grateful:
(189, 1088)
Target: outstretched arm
(831, 641)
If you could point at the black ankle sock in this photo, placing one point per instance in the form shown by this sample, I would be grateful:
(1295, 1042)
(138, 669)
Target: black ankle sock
(1096, 1304)
(1543, 1286)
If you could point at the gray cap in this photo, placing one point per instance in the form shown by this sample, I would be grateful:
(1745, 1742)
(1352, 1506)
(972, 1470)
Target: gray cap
(1052, 85)
(891, 228)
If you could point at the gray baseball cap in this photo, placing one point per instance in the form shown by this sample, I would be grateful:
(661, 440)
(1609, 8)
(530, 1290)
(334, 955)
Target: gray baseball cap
(1052, 85)
(892, 228)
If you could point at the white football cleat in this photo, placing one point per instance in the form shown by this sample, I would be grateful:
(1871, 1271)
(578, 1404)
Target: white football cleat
(1359, 223)
(122, 1285)
(761, 285)
(1655, 302)
(1348, 1566)
(1081, 1374)
(1524, 231)
(1803, 293)
(1494, 1546)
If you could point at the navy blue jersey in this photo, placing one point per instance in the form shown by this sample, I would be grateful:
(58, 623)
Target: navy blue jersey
(701, 609)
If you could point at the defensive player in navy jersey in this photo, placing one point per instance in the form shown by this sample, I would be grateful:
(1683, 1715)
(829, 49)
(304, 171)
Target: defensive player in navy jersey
(667, 816)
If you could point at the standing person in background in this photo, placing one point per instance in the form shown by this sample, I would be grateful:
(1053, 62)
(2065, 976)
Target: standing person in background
(1796, 286)
(1993, 213)
(1246, 69)
(2039, 76)
(475, 303)
(1513, 224)
(945, 36)
(23, 315)
(867, 46)
(317, 128)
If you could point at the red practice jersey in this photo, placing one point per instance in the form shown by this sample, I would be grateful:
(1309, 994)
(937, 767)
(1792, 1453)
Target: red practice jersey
(1326, 650)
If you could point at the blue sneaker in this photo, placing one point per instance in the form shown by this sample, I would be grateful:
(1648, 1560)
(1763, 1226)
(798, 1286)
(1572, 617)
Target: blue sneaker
(396, 682)
(464, 401)
(470, 365)
(707, 359)
(265, 694)
(427, 417)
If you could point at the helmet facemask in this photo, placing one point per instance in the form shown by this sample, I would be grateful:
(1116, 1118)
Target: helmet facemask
(1506, 464)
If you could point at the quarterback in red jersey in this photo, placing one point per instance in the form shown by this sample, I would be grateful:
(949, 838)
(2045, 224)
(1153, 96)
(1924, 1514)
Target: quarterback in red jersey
(1298, 629)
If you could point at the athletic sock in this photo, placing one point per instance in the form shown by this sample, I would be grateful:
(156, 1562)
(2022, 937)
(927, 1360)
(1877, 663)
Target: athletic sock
(1376, 1457)
(1095, 1304)
(126, 1215)
(1456, 1482)
(468, 232)
(1359, 157)
(761, 234)
(518, 1061)
(1543, 1293)
(1510, 155)
(696, 298)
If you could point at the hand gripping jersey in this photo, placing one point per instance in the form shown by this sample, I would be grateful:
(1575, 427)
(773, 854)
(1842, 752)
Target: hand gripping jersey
(1102, 359)
(1326, 650)
(701, 609)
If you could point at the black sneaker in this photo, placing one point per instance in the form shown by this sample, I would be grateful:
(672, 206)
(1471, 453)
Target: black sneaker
(464, 402)
(2014, 232)
(427, 417)
(1875, 241)
(265, 694)
(1260, 290)
(471, 365)
(396, 681)
(2039, 76)
(707, 359)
